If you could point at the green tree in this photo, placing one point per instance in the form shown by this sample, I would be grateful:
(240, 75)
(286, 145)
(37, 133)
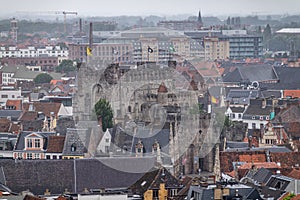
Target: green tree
(65, 66)
(104, 111)
(42, 78)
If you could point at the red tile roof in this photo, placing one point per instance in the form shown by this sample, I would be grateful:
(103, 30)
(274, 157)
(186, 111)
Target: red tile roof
(291, 93)
(4, 124)
(267, 165)
(45, 107)
(162, 88)
(28, 116)
(55, 144)
(295, 173)
(16, 103)
(287, 159)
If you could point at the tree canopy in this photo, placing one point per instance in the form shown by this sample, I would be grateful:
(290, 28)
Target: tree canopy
(42, 78)
(104, 111)
(65, 66)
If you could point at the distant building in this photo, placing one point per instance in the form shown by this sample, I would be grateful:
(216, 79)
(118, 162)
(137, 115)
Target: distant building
(216, 48)
(31, 51)
(243, 45)
(182, 25)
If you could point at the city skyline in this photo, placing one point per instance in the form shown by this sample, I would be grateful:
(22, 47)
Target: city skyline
(155, 7)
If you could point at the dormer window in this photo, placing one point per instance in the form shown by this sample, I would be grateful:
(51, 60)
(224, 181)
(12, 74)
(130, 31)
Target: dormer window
(73, 147)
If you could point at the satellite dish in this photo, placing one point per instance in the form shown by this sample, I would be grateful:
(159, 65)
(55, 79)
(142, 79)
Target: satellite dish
(255, 84)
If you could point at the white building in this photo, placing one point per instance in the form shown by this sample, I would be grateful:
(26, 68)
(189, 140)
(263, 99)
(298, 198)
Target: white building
(51, 51)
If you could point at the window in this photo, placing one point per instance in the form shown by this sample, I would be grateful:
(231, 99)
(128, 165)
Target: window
(37, 143)
(106, 149)
(29, 155)
(54, 157)
(107, 140)
(240, 116)
(155, 194)
(29, 143)
(253, 125)
(48, 157)
(73, 147)
(36, 156)
(232, 115)
(19, 155)
(4, 96)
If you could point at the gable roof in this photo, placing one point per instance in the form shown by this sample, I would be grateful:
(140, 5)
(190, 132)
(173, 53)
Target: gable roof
(73, 139)
(153, 179)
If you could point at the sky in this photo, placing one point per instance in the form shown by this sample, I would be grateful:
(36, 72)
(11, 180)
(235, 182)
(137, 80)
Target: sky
(154, 7)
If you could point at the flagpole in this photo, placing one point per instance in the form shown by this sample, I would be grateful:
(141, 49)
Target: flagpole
(148, 55)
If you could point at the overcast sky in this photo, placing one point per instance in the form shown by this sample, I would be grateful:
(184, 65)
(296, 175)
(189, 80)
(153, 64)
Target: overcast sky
(154, 7)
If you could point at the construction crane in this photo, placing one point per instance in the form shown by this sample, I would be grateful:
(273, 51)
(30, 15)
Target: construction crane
(65, 13)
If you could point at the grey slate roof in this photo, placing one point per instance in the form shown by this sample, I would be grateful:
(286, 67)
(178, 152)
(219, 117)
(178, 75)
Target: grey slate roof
(262, 175)
(251, 73)
(237, 109)
(289, 79)
(75, 137)
(236, 145)
(13, 114)
(57, 175)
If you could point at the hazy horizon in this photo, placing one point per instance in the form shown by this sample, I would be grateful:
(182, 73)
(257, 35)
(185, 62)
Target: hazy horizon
(153, 7)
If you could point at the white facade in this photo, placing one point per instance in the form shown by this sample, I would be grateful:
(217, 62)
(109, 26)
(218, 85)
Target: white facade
(104, 144)
(51, 51)
(7, 78)
(254, 123)
(9, 94)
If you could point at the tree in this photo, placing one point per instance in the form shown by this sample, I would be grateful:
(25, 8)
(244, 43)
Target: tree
(104, 112)
(267, 35)
(65, 66)
(42, 78)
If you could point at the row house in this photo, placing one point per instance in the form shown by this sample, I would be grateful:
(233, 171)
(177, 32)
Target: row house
(257, 114)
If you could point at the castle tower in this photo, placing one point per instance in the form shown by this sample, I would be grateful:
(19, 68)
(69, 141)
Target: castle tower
(162, 93)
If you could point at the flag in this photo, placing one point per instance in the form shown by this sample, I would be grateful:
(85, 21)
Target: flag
(172, 49)
(150, 50)
(89, 51)
(214, 100)
(272, 115)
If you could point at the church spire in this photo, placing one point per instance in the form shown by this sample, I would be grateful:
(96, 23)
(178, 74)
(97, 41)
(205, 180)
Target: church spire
(200, 18)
